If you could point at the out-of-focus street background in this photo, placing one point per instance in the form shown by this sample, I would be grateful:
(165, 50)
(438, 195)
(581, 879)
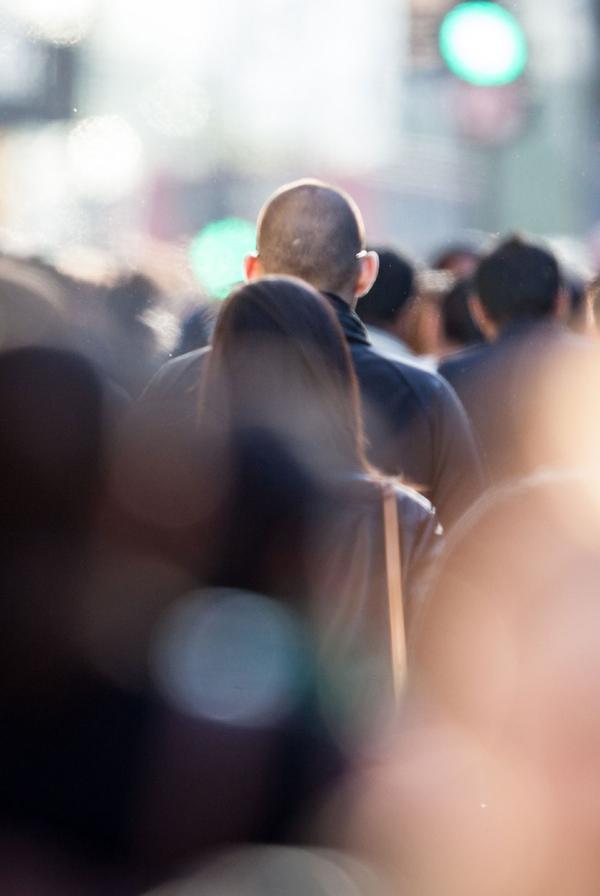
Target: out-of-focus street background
(125, 121)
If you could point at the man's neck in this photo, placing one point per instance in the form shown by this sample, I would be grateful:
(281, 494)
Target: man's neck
(346, 297)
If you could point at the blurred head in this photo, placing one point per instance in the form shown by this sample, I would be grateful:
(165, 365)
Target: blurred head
(131, 296)
(459, 328)
(518, 280)
(31, 307)
(392, 291)
(459, 259)
(313, 231)
(280, 363)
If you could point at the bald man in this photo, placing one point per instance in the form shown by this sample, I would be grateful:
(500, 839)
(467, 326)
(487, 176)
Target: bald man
(415, 424)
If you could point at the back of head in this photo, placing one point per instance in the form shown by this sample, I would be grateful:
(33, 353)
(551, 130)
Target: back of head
(392, 291)
(459, 326)
(279, 361)
(31, 307)
(459, 259)
(518, 280)
(130, 297)
(311, 230)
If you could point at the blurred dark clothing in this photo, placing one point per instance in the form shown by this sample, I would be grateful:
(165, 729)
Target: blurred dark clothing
(130, 351)
(501, 385)
(416, 427)
(414, 423)
(317, 546)
(283, 530)
(197, 329)
(106, 786)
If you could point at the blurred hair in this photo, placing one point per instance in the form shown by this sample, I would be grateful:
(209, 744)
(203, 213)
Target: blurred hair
(51, 439)
(392, 291)
(518, 279)
(451, 256)
(279, 361)
(311, 230)
(457, 322)
(31, 307)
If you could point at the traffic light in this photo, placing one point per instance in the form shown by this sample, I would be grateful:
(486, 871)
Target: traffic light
(482, 43)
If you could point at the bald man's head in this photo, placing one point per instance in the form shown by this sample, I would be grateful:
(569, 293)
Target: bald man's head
(313, 231)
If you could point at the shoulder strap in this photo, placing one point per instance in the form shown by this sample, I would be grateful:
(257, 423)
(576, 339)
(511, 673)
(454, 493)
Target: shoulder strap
(393, 563)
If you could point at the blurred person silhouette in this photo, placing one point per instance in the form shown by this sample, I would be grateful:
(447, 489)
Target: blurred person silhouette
(69, 735)
(415, 425)
(197, 328)
(459, 330)
(280, 399)
(132, 353)
(99, 316)
(302, 516)
(521, 306)
(387, 309)
(32, 308)
(112, 775)
(459, 259)
(490, 786)
(273, 513)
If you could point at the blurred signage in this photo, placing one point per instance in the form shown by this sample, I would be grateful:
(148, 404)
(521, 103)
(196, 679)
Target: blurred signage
(37, 78)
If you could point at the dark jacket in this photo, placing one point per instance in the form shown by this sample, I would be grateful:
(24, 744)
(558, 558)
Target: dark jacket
(316, 544)
(500, 385)
(415, 425)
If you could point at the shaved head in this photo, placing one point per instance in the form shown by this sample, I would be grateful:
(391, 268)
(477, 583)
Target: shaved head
(313, 231)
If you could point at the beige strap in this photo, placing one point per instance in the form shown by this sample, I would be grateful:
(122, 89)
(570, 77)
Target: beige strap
(393, 565)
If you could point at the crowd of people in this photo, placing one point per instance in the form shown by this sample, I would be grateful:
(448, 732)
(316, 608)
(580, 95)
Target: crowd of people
(305, 602)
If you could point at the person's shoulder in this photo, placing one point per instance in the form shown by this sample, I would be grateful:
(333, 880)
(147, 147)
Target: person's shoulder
(464, 360)
(178, 373)
(176, 366)
(413, 372)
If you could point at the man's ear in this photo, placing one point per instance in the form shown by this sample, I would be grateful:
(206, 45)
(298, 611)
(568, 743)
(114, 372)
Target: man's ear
(367, 273)
(253, 268)
(488, 327)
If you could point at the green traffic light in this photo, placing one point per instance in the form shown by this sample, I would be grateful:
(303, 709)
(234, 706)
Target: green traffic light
(482, 43)
(217, 254)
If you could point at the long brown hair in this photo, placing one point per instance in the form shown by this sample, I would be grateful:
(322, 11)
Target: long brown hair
(279, 361)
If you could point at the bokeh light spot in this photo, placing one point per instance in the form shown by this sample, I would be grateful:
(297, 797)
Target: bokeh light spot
(483, 43)
(229, 656)
(105, 156)
(217, 254)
